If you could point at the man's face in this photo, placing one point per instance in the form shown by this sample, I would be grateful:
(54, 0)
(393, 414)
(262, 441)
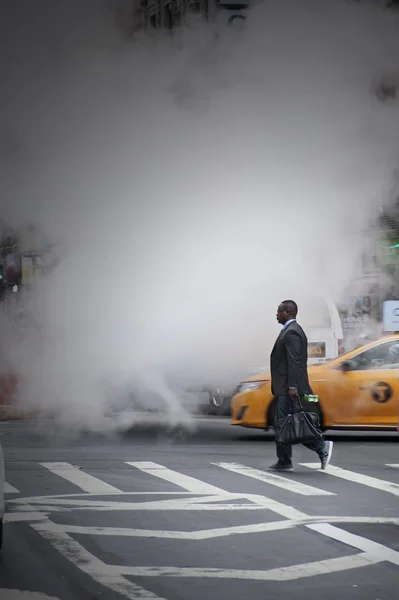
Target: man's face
(282, 314)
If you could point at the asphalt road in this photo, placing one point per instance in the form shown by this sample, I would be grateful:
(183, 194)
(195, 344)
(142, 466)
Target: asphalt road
(153, 514)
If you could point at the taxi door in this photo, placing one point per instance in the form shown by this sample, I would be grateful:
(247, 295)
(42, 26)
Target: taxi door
(368, 392)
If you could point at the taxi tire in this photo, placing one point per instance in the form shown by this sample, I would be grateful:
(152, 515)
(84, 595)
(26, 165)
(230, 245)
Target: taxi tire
(270, 415)
(309, 407)
(219, 404)
(1, 533)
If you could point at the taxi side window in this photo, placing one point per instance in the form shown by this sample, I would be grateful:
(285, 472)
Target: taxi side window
(384, 356)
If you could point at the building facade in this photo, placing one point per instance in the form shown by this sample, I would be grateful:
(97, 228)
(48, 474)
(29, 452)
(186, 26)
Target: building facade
(377, 278)
(24, 253)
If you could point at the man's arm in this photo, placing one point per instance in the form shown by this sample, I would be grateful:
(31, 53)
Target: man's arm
(293, 350)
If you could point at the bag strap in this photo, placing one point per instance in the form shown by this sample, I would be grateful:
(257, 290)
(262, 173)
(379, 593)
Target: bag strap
(299, 402)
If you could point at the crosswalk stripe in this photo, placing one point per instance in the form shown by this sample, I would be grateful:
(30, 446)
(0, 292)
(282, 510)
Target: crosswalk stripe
(9, 489)
(188, 483)
(83, 480)
(373, 482)
(393, 466)
(287, 484)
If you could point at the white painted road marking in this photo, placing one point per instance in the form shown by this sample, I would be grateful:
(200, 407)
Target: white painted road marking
(196, 485)
(320, 567)
(9, 489)
(394, 466)
(207, 534)
(51, 503)
(373, 482)
(83, 480)
(281, 482)
(285, 510)
(210, 498)
(378, 551)
(17, 517)
(191, 484)
(85, 496)
(176, 535)
(112, 576)
(94, 567)
(176, 504)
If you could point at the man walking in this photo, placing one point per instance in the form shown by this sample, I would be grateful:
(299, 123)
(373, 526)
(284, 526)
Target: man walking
(288, 365)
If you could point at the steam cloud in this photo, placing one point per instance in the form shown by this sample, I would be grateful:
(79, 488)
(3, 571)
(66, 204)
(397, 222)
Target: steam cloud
(191, 184)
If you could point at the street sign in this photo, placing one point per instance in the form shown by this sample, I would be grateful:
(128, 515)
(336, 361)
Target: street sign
(390, 312)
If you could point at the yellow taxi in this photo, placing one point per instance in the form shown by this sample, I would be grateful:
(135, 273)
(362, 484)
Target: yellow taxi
(357, 390)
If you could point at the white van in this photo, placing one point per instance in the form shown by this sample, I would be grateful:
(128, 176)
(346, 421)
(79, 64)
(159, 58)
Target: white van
(319, 317)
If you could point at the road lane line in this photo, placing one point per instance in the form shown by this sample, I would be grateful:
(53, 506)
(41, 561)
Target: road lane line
(23, 516)
(144, 506)
(394, 466)
(206, 534)
(201, 534)
(9, 489)
(191, 484)
(191, 503)
(70, 501)
(285, 510)
(254, 502)
(257, 502)
(112, 576)
(83, 480)
(321, 567)
(373, 482)
(51, 497)
(378, 551)
(95, 568)
(179, 535)
(281, 482)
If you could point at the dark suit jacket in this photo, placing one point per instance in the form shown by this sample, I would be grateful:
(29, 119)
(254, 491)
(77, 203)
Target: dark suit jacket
(288, 361)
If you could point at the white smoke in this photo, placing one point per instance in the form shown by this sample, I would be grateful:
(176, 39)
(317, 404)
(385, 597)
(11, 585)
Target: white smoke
(191, 184)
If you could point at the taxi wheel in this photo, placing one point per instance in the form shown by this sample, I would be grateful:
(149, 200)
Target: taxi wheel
(270, 415)
(316, 408)
(313, 407)
(1, 533)
(218, 402)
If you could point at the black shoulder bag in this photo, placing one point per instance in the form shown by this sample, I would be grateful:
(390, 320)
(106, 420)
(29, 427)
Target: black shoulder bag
(298, 427)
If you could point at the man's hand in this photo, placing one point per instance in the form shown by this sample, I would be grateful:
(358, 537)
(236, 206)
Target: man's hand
(293, 393)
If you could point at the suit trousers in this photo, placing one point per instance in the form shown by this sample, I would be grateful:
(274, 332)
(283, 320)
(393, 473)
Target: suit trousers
(284, 451)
